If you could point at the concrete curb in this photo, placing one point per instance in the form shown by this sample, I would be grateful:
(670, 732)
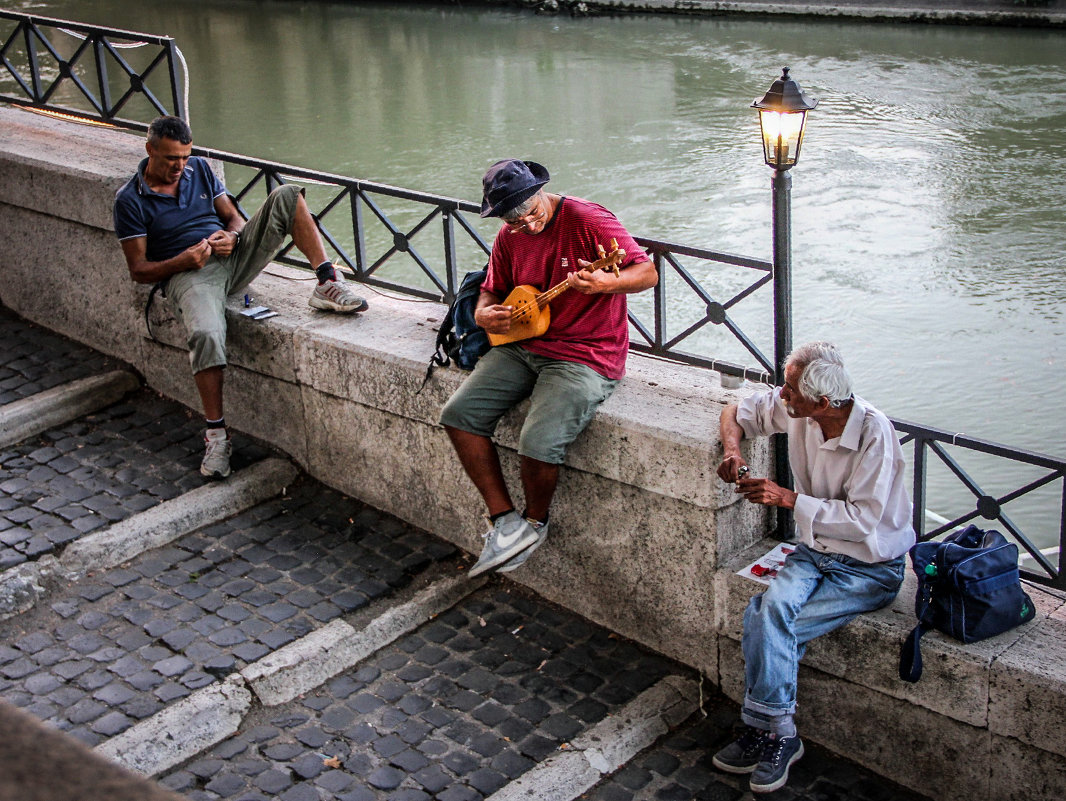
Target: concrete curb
(607, 746)
(24, 418)
(171, 519)
(181, 731)
(23, 585)
(310, 661)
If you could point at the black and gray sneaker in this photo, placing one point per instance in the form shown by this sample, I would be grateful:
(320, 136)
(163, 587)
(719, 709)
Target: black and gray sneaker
(742, 755)
(778, 754)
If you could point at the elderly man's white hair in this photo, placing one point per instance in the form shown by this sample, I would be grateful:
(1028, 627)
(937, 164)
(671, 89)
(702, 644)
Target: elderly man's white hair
(824, 374)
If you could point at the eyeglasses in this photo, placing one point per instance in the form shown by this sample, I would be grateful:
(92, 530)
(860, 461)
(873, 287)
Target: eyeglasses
(518, 223)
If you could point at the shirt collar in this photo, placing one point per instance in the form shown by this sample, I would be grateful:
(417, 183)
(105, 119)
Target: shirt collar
(144, 189)
(852, 434)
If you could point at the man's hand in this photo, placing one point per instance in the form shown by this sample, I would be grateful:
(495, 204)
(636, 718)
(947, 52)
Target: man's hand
(222, 243)
(729, 469)
(195, 256)
(591, 283)
(495, 319)
(766, 492)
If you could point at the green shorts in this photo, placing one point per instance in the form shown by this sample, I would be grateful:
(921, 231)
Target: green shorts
(563, 397)
(198, 297)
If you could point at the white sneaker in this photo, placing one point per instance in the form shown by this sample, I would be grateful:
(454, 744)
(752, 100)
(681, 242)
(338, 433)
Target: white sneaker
(336, 296)
(510, 534)
(518, 561)
(218, 448)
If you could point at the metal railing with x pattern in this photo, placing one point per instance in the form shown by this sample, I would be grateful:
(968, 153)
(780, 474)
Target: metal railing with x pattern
(986, 505)
(359, 207)
(54, 64)
(350, 199)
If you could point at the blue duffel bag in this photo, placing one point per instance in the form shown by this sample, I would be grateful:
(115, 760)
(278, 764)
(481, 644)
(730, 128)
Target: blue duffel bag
(968, 588)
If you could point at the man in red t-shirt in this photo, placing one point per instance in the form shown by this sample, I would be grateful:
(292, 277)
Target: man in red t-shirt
(566, 373)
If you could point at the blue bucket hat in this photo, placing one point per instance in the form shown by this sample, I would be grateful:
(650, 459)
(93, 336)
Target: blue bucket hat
(509, 183)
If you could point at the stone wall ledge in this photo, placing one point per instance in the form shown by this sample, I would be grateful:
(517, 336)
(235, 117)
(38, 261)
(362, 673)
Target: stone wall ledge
(645, 539)
(1049, 14)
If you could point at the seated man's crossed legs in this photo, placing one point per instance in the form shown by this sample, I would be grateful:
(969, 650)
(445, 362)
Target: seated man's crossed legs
(198, 298)
(563, 397)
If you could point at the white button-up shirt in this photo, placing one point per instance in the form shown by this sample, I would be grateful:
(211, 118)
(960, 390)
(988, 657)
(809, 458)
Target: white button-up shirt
(852, 498)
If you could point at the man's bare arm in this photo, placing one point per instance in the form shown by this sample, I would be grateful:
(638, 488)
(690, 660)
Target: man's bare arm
(148, 272)
(490, 315)
(225, 241)
(634, 278)
(731, 434)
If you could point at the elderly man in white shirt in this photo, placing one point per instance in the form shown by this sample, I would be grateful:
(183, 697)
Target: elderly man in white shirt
(853, 524)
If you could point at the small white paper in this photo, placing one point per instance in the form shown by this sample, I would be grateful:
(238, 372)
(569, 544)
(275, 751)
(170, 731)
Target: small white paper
(764, 569)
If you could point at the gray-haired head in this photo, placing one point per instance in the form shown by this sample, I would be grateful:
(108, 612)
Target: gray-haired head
(824, 374)
(523, 208)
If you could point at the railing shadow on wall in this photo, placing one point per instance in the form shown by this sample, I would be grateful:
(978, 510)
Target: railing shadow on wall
(370, 241)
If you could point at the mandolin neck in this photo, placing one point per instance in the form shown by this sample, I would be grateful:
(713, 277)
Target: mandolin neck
(544, 298)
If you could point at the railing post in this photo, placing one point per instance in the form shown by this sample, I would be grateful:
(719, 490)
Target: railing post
(175, 90)
(30, 31)
(451, 267)
(781, 188)
(918, 497)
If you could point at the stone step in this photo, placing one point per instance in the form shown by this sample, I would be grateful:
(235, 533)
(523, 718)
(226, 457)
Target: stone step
(503, 694)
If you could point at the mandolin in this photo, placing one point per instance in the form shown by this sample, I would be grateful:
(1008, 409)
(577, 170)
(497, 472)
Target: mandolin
(532, 314)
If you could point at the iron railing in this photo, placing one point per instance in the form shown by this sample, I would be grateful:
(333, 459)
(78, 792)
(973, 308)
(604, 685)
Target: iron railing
(43, 57)
(364, 202)
(670, 261)
(937, 442)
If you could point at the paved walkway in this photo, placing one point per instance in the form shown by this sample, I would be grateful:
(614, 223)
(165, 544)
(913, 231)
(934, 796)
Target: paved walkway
(269, 638)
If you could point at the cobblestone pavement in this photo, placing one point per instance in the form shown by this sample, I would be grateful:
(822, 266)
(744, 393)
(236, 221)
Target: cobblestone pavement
(33, 359)
(98, 470)
(453, 710)
(119, 647)
(678, 768)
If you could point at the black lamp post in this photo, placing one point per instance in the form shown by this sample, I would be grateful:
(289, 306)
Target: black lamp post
(782, 117)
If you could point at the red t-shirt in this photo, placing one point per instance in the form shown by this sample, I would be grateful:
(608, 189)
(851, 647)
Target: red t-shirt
(589, 329)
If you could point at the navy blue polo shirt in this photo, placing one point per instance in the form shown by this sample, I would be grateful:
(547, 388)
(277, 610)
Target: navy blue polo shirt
(171, 224)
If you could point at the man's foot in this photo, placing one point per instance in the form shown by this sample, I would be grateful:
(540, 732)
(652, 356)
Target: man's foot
(778, 754)
(518, 561)
(509, 535)
(336, 296)
(218, 448)
(742, 755)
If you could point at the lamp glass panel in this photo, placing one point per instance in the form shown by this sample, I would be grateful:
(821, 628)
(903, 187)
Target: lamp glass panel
(781, 133)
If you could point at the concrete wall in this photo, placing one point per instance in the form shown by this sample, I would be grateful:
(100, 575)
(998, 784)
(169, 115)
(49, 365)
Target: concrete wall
(645, 538)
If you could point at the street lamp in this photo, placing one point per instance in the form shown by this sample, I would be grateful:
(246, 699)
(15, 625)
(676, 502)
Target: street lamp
(782, 117)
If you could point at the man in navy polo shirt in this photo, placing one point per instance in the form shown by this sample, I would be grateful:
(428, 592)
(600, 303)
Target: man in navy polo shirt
(177, 225)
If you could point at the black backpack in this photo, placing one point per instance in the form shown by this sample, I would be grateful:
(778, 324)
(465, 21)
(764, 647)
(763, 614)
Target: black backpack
(459, 338)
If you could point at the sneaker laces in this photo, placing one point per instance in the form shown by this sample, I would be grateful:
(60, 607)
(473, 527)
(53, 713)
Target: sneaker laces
(212, 447)
(773, 749)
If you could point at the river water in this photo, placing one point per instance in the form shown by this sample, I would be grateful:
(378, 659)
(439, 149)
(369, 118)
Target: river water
(928, 240)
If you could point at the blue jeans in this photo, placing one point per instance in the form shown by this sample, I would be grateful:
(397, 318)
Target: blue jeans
(813, 594)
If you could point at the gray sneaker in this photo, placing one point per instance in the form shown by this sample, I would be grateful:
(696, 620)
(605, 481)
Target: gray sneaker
(742, 755)
(518, 561)
(217, 450)
(336, 296)
(509, 535)
(778, 754)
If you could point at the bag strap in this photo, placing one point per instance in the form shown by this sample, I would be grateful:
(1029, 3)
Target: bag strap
(910, 655)
(440, 357)
(159, 286)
